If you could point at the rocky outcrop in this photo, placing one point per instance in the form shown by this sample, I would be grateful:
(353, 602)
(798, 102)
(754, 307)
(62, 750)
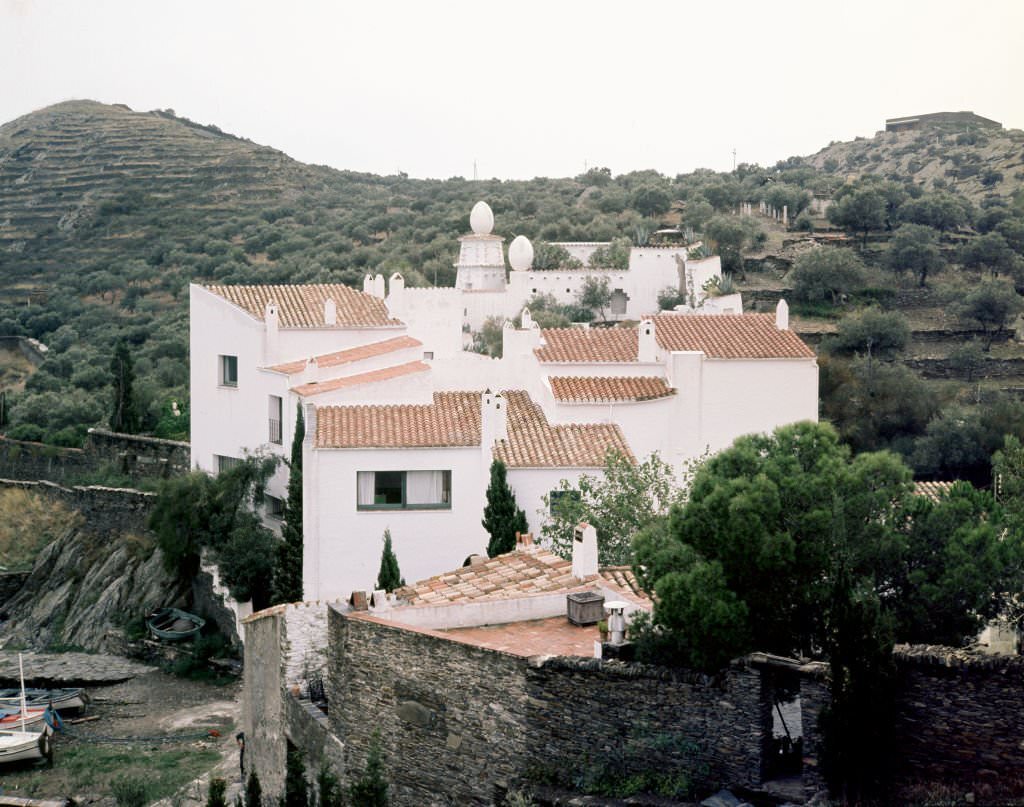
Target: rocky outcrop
(85, 588)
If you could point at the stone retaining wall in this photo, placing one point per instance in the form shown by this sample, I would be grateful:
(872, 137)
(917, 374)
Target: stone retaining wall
(132, 455)
(104, 509)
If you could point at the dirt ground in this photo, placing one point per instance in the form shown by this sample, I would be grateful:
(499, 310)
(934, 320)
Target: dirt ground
(155, 728)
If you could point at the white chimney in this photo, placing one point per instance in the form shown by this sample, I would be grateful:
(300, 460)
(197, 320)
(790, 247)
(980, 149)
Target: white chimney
(526, 320)
(378, 286)
(616, 621)
(584, 551)
(395, 288)
(309, 372)
(330, 312)
(309, 419)
(782, 316)
(493, 420)
(648, 351)
(271, 319)
(367, 284)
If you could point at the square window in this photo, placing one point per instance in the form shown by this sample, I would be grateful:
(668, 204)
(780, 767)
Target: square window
(228, 371)
(428, 355)
(225, 463)
(403, 490)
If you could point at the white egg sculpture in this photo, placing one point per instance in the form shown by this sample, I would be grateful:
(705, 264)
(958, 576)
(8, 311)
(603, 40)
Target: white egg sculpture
(520, 253)
(481, 219)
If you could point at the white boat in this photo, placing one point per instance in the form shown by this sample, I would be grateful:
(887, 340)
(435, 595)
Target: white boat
(23, 746)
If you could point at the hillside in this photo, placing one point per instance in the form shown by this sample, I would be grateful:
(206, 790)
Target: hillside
(106, 214)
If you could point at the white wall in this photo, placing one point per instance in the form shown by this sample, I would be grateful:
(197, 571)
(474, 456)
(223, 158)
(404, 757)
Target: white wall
(343, 544)
(530, 485)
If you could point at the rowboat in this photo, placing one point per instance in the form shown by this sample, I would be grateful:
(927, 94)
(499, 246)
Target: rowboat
(173, 624)
(22, 746)
(66, 699)
(17, 743)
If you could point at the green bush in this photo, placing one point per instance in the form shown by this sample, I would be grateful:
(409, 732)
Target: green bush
(130, 791)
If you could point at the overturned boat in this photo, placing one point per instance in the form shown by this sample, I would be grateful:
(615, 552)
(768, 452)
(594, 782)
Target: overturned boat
(174, 625)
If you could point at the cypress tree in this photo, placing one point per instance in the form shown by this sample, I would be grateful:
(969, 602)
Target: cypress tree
(288, 575)
(502, 519)
(296, 788)
(389, 578)
(371, 788)
(253, 791)
(125, 414)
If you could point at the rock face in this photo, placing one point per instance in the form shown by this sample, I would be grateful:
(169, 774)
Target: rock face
(84, 587)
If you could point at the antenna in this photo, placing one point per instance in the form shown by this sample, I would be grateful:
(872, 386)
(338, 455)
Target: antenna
(733, 158)
(474, 170)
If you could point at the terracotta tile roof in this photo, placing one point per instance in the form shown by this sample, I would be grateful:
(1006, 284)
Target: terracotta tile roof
(453, 419)
(303, 306)
(588, 345)
(350, 355)
(371, 377)
(932, 490)
(608, 389)
(520, 573)
(533, 443)
(729, 336)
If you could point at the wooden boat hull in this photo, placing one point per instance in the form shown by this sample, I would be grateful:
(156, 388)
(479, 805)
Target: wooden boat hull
(174, 625)
(24, 746)
(63, 700)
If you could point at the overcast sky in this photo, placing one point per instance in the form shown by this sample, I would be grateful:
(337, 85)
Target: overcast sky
(523, 88)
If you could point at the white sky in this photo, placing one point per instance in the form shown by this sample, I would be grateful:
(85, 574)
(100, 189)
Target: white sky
(524, 88)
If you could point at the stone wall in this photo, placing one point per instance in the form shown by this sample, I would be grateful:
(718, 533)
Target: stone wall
(959, 717)
(132, 455)
(272, 716)
(460, 724)
(138, 456)
(105, 509)
(587, 713)
(452, 717)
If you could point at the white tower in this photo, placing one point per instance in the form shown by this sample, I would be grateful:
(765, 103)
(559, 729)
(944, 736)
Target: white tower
(481, 265)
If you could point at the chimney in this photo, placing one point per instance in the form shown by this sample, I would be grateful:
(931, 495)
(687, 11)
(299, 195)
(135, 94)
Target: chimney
(378, 286)
(524, 541)
(493, 420)
(271, 319)
(782, 316)
(396, 286)
(359, 601)
(309, 372)
(616, 621)
(330, 312)
(648, 351)
(368, 284)
(310, 421)
(584, 551)
(526, 320)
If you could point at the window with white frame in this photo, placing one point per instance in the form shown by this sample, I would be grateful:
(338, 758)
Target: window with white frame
(228, 371)
(404, 490)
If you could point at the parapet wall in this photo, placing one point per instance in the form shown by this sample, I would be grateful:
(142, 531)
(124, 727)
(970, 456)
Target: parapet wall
(132, 455)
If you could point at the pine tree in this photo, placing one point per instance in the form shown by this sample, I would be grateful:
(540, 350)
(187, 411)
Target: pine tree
(215, 796)
(389, 578)
(253, 791)
(502, 519)
(125, 414)
(288, 575)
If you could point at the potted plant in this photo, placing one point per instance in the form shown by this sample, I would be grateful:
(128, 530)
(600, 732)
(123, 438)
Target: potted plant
(602, 628)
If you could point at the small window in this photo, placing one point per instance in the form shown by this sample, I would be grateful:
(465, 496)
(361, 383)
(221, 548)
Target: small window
(428, 355)
(226, 463)
(274, 419)
(229, 371)
(403, 490)
(557, 499)
(274, 506)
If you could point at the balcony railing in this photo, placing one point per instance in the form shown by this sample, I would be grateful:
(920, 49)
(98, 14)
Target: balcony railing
(275, 430)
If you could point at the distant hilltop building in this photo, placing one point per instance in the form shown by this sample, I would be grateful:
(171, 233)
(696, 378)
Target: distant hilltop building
(940, 118)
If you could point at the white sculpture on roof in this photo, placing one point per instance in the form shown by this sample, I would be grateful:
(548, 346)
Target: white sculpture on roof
(481, 219)
(520, 253)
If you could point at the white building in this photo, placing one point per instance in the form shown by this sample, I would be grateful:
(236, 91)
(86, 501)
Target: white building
(402, 428)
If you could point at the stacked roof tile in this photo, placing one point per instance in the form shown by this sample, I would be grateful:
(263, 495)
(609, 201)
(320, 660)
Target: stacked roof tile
(729, 336)
(303, 306)
(932, 490)
(351, 355)
(608, 389)
(453, 420)
(718, 336)
(588, 345)
(355, 380)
